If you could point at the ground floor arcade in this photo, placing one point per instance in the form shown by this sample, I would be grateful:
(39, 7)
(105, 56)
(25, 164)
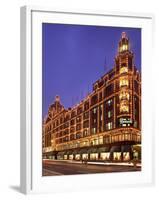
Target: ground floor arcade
(114, 153)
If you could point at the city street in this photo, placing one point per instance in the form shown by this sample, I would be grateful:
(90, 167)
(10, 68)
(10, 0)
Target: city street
(54, 168)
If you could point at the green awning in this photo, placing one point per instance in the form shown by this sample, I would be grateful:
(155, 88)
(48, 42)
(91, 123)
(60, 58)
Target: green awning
(69, 152)
(92, 150)
(61, 153)
(82, 151)
(115, 149)
(103, 149)
(75, 152)
(126, 148)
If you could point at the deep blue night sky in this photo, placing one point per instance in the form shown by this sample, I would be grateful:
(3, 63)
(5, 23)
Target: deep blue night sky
(75, 56)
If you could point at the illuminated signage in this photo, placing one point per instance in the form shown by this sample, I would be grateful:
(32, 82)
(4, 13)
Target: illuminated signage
(125, 121)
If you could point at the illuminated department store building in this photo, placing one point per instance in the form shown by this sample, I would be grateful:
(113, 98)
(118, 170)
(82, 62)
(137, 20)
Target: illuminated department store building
(106, 124)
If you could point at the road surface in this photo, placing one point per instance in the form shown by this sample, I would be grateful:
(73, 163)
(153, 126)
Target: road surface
(54, 168)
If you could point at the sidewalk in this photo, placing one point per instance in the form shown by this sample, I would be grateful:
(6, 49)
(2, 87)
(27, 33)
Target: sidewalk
(100, 163)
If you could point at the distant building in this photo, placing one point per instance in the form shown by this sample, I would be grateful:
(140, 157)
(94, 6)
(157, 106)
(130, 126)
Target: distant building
(106, 124)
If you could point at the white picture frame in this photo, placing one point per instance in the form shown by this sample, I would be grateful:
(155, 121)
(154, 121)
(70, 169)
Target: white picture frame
(31, 100)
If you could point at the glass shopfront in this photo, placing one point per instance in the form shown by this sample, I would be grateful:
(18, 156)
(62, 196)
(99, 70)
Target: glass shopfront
(50, 157)
(116, 156)
(94, 156)
(85, 156)
(136, 155)
(60, 157)
(126, 156)
(77, 156)
(71, 157)
(137, 152)
(105, 156)
(65, 157)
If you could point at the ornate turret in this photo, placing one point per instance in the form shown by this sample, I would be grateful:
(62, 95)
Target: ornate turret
(56, 107)
(124, 43)
(124, 59)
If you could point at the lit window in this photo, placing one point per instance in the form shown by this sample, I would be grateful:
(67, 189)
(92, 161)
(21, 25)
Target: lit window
(109, 114)
(123, 69)
(107, 139)
(124, 107)
(94, 110)
(95, 142)
(135, 124)
(109, 125)
(105, 156)
(101, 140)
(109, 102)
(85, 132)
(124, 47)
(93, 130)
(116, 156)
(85, 143)
(124, 95)
(94, 156)
(126, 156)
(124, 82)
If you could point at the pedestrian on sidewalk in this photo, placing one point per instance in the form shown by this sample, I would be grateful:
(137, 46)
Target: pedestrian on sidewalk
(85, 161)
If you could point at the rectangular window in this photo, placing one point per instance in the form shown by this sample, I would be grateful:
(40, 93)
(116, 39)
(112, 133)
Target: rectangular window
(109, 102)
(124, 107)
(78, 135)
(78, 127)
(126, 156)
(94, 156)
(86, 106)
(123, 69)
(109, 114)
(105, 156)
(124, 95)
(107, 139)
(78, 119)
(116, 156)
(85, 133)
(86, 124)
(109, 89)
(94, 110)
(86, 115)
(94, 130)
(101, 140)
(109, 125)
(100, 96)
(79, 110)
(124, 82)
(72, 122)
(94, 99)
(135, 124)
